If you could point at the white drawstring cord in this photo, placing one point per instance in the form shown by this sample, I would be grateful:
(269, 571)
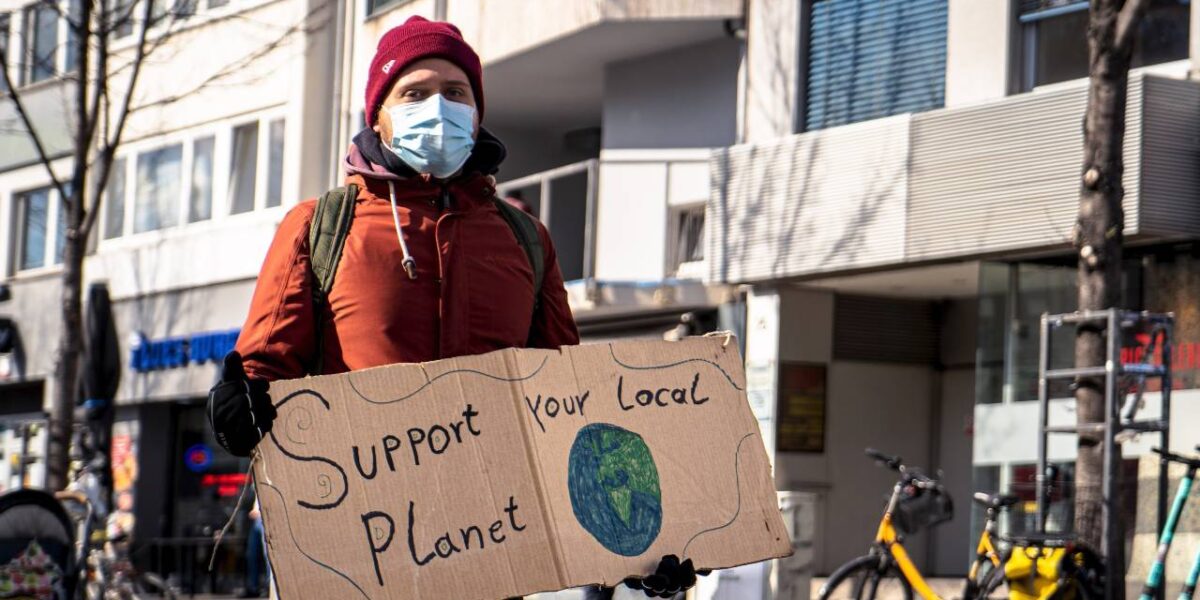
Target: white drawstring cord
(410, 265)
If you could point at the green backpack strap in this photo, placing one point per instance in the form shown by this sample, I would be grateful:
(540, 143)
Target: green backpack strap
(326, 238)
(524, 227)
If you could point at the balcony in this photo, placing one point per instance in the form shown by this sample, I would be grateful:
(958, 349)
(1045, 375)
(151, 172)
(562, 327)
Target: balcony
(628, 227)
(950, 184)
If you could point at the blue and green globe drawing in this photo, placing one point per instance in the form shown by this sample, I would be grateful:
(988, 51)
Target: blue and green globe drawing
(614, 488)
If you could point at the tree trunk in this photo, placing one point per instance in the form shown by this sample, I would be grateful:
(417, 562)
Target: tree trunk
(66, 371)
(1099, 242)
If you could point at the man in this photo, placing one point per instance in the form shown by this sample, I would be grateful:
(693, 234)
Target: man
(430, 267)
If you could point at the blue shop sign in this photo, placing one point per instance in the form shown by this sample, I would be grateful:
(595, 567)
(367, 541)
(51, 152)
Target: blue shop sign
(174, 352)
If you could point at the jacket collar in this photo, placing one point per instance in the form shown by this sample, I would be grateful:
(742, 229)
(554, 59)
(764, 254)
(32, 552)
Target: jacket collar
(464, 193)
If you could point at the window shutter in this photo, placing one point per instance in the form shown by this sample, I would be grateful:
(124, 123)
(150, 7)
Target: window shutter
(874, 58)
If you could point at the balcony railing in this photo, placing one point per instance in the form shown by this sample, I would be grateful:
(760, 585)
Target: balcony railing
(564, 199)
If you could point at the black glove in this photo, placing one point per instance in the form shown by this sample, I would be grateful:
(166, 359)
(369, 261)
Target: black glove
(239, 409)
(670, 578)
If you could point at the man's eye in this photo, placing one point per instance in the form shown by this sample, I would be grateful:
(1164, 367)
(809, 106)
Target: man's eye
(412, 94)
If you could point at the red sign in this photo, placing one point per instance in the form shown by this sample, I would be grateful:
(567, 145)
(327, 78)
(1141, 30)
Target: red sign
(1185, 356)
(227, 484)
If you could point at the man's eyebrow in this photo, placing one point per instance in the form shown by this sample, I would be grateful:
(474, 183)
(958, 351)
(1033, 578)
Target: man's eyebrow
(456, 82)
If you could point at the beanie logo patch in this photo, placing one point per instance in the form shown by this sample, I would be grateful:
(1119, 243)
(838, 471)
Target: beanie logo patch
(388, 66)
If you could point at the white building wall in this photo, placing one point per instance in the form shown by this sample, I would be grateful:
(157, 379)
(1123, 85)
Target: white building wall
(682, 98)
(980, 36)
(773, 69)
(636, 190)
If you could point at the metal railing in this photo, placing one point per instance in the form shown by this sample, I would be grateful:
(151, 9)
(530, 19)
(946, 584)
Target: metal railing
(543, 208)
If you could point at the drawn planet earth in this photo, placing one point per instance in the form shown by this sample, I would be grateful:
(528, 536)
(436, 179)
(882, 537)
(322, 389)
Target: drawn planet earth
(614, 488)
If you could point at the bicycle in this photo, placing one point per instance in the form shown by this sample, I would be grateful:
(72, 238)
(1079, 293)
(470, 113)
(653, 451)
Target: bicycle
(104, 574)
(917, 501)
(1154, 580)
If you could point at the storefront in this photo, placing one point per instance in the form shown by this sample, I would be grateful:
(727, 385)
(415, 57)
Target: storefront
(184, 487)
(22, 435)
(1013, 296)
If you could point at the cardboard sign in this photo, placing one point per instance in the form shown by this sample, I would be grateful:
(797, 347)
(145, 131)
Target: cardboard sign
(515, 472)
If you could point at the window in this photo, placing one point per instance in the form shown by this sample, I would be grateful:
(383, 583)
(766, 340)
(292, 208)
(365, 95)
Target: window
(4, 29)
(687, 236)
(374, 6)
(200, 198)
(41, 40)
(114, 201)
(156, 201)
(874, 58)
(33, 239)
(74, 10)
(243, 168)
(275, 165)
(1054, 45)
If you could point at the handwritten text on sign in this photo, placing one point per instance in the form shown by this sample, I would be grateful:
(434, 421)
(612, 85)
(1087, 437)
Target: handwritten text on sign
(515, 472)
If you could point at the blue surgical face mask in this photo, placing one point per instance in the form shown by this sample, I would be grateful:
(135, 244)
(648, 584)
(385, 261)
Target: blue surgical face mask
(433, 136)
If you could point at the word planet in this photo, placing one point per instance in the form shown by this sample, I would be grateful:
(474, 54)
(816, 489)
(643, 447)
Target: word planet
(614, 488)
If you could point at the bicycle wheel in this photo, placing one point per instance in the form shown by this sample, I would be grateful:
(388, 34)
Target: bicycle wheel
(867, 578)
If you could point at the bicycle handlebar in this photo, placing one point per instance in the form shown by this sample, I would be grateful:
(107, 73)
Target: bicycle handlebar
(892, 462)
(1176, 458)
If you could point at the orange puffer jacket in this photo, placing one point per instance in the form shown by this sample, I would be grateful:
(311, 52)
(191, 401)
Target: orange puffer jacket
(473, 291)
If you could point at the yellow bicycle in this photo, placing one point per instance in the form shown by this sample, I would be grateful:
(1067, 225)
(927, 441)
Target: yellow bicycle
(917, 502)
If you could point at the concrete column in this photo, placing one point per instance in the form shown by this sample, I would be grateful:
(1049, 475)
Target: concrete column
(980, 39)
(773, 69)
(762, 360)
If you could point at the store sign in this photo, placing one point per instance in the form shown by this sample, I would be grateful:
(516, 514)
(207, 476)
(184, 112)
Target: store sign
(802, 400)
(1185, 361)
(515, 472)
(175, 352)
(226, 484)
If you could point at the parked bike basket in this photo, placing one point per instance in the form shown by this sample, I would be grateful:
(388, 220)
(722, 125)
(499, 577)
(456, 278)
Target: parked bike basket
(920, 509)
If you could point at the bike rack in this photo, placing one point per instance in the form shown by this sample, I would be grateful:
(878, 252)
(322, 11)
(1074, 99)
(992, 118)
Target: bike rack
(1119, 321)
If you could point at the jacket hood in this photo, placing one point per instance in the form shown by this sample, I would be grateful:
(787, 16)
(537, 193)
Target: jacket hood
(369, 158)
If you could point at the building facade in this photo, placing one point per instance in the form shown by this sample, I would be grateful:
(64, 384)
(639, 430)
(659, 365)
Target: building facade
(900, 208)
(876, 194)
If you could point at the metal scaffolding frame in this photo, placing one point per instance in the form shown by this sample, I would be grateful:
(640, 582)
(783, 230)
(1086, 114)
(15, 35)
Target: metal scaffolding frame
(1115, 423)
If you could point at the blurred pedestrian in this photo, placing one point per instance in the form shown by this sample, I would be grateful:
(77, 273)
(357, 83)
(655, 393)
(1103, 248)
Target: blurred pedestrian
(256, 555)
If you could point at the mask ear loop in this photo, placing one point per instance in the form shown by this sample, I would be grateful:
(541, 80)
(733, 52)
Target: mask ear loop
(410, 265)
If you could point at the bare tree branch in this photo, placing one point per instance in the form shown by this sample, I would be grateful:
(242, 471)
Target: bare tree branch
(101, 92)
(15, 95)
(1128, 20)
(235, 67)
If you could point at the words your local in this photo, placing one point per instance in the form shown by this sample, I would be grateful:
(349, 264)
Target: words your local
(547, 408)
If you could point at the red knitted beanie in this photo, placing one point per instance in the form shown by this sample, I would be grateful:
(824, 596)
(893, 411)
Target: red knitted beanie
(415, 39)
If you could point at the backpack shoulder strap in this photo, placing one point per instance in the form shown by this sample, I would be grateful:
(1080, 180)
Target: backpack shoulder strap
(326, 238)
(524, 227)
(327, 234)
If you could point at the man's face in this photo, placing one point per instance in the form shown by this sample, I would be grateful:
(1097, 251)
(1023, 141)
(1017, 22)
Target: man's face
(418, 82)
